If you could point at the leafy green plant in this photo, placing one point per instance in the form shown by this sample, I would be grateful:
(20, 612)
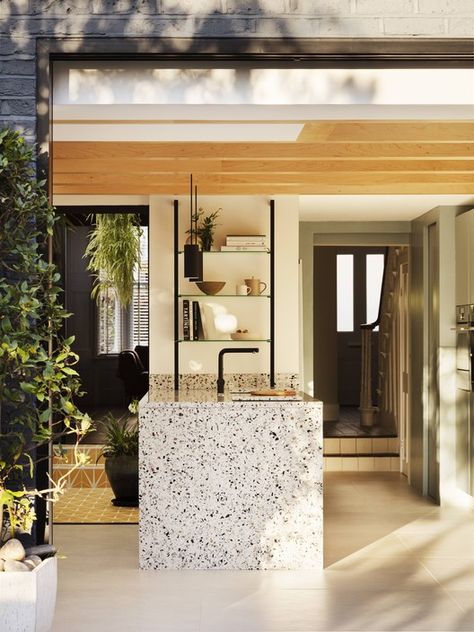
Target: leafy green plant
(114, 252)
(121, 437)
(38, 384)
(206, 227)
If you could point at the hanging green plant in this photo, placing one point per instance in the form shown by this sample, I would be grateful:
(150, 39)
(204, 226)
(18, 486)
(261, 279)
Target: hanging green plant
(114, 252)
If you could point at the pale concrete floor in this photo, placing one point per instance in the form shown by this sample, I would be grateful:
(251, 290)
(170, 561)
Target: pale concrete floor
(393, 562)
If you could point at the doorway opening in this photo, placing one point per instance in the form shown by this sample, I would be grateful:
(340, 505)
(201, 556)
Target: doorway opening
(111, 340)
(361, 342)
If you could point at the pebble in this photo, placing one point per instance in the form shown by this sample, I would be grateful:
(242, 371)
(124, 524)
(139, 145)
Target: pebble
(30, 564)
(12, 550)
(42, 550)
(13, 566)
(35, 560)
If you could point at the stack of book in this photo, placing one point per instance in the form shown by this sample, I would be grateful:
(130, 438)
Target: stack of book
(245, 242)
(192, 321)
(197, 322)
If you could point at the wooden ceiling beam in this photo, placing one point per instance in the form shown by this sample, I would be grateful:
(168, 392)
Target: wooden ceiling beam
(138, 165)
(286, 189)
(204, 179)
(387, 131)
(257, 151)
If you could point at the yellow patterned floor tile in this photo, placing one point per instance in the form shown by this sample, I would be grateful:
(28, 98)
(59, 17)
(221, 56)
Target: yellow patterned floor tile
(91, 506)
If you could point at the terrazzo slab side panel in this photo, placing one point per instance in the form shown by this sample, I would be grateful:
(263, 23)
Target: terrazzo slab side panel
(231, 485)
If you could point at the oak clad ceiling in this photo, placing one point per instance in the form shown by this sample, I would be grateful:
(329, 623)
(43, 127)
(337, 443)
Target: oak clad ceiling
(328, 157)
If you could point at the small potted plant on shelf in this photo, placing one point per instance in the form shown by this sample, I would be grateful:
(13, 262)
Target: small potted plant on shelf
(120, 452)
(205, 227)
(38, 387)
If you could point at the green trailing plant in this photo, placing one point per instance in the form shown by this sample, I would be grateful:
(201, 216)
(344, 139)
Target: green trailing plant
(121, 436)
(205, 227)
(38, 382)
(114, 253)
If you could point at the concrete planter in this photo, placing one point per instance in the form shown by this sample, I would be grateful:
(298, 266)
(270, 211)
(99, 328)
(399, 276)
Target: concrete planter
(27, 600)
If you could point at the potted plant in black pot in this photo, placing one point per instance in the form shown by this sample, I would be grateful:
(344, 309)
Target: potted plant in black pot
(120, 452)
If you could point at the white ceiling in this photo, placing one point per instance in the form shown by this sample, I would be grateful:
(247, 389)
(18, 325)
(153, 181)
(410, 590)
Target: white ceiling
(179, 132)
(99, 113)
(360, 208)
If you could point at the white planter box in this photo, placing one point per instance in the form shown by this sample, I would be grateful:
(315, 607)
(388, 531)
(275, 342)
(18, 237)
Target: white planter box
(27, 600)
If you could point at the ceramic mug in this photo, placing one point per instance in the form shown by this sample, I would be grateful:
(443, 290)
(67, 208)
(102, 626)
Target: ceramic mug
(242, 290)
(255, 286)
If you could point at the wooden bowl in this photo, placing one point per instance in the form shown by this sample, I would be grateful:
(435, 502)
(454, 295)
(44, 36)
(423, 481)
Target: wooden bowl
(210, 287)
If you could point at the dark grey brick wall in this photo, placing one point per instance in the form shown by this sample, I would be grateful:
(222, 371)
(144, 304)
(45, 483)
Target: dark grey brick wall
(23, 21)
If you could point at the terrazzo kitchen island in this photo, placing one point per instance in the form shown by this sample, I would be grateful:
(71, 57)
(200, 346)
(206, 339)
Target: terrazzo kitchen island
(230, 483)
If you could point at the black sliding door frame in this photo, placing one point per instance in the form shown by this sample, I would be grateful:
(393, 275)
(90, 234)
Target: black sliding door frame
(235, 52)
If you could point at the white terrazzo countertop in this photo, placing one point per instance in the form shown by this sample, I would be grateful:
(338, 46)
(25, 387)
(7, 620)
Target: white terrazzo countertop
(230, 484)
(159, 396)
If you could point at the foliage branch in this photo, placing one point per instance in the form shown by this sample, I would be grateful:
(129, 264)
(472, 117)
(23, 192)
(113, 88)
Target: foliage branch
(205, 227)
(38, 384)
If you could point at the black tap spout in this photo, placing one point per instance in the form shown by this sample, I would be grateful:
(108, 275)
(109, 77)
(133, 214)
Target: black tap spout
(220, 368)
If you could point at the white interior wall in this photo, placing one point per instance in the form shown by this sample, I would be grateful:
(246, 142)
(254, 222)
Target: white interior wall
(239, 215)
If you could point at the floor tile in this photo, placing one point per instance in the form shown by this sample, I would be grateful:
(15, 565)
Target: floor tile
(450, 542)
(309, 610)
(390, 566)
(454, 573)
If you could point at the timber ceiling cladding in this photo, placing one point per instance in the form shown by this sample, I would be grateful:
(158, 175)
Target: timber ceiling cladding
(327, 157)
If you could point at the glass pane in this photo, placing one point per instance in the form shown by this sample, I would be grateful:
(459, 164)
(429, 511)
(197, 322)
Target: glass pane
(374, 277)
(345, 292)
(109, 323)
(139, 307)
(125, 327)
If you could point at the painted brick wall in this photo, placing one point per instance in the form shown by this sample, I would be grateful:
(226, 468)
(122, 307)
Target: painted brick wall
(22, 21)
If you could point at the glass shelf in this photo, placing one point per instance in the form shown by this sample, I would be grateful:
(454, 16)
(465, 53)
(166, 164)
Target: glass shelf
(227, 341)
(212, 296)
(233, 252)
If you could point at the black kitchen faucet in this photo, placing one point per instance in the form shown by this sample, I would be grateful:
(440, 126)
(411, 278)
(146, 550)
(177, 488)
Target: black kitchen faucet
(220, 369)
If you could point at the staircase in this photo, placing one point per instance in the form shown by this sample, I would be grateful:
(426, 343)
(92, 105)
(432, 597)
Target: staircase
(361, 454)
(391, 382)
(388, 379)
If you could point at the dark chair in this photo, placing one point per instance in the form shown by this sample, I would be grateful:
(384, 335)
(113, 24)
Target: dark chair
(132, 373)
(144, 354)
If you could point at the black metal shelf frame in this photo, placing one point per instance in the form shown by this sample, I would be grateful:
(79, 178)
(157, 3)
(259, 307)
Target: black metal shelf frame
(176, 253)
